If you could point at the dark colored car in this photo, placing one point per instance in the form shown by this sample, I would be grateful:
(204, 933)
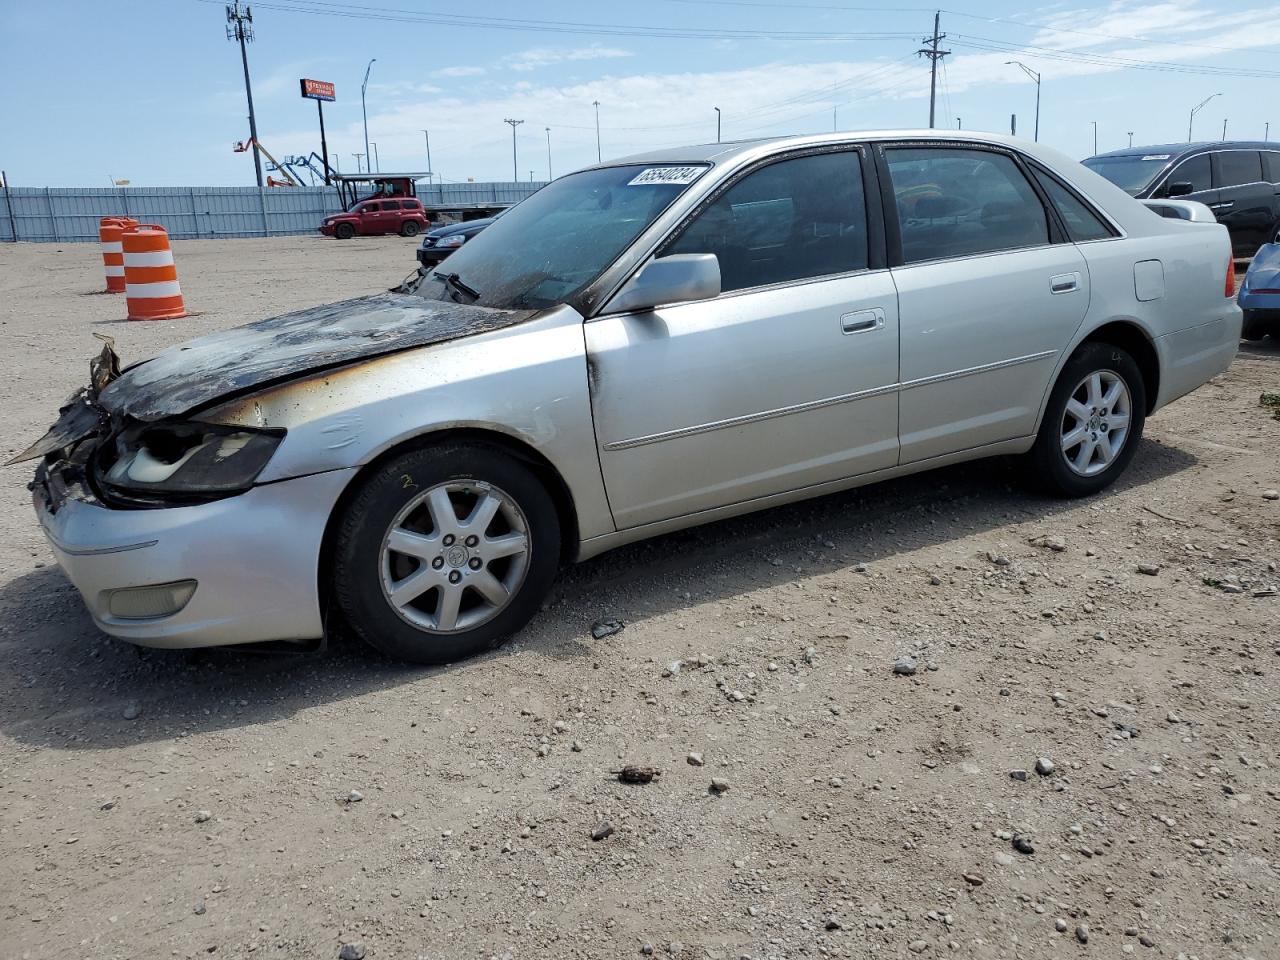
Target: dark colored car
(442, 241)
(402, 215)
(1238, 180)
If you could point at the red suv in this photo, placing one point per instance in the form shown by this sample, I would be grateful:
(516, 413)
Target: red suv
(404, 216)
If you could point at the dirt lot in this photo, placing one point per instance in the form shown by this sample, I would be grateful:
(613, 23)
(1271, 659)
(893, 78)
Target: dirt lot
(867, 813)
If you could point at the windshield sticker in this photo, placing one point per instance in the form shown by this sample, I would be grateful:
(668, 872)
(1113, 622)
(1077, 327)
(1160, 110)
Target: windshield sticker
(680, 176)
(1156, 156)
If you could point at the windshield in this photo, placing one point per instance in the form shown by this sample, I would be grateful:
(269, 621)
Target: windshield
(1133, 173)
(548, 248)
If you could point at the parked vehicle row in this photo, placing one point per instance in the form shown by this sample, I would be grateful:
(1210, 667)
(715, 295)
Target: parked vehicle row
(641, 346)
(1238, 180)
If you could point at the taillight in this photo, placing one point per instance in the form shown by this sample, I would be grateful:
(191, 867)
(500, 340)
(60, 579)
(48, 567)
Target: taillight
(1230, 289)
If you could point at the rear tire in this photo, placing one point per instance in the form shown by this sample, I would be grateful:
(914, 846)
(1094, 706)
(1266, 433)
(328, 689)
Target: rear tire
(1253, 327)
(444, 552)
(1092, 424)
(344, 231)
(409, 228)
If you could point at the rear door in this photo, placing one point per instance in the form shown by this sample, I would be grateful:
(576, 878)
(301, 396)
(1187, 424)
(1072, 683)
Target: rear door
(989, 294)
(1246, 200)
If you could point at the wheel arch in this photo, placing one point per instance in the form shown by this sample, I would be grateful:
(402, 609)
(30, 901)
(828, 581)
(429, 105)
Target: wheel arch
(520, 450)
(1136, 342)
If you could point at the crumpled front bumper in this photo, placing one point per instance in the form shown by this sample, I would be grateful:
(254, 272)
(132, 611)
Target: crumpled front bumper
(254, 557)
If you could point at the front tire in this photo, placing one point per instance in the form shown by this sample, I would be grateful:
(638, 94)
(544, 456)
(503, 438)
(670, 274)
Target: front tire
(444, 552)
(344, 231)
(1092, 423)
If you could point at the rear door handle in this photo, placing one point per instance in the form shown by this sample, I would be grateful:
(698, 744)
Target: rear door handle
(1064, 283)
(861, 321)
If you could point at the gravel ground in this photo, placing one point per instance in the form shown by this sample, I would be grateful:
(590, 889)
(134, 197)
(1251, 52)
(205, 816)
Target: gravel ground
(874, 677)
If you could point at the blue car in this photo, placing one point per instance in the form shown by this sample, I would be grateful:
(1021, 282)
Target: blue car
(1260, 294)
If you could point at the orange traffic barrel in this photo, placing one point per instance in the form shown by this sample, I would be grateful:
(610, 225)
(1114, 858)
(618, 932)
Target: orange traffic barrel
(110, 230)
(150, 278)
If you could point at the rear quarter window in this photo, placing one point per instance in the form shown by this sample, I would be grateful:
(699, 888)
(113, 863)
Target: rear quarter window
(1236, 167)
(1080, 220)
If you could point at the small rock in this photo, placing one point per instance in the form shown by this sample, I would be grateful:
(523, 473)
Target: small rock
(646, 949)
(904, 666)
(355, 796)
(636, 774)
(999, 559)
(810, 655)
(1082, 933)
(109, 805)
(836, 782)
(974, 879)
(694, 759)
(917, 946)
(1060, 925)
(351, 951)
(672, 669)
(132, 710)
(1003, 859)
(199, 909)
(605, 628)
(1023, 844)
(1056, 544)
(1146, 941)
(559, 727)
(1271, 494)
(718, 785)
(544, 750)
(202, 815)
(935, 581)
(1019, 775)
(832, 923)
(1150, 569)
(1044, 766)
(576, 746)
(602, 830)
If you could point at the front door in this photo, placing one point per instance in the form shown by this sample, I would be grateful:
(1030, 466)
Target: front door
(786, 380)
(987, 301)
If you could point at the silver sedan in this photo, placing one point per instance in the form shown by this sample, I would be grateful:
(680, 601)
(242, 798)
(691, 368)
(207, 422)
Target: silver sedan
(641, 346)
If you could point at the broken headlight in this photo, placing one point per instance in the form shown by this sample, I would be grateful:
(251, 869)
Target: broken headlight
(198, 459)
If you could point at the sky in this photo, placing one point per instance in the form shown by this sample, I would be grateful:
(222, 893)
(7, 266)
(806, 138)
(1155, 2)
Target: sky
(151, 91)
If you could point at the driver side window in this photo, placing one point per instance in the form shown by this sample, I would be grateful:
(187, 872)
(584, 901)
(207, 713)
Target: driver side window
(792, 220)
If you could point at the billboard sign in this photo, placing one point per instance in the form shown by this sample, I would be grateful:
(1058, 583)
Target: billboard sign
(317, 90)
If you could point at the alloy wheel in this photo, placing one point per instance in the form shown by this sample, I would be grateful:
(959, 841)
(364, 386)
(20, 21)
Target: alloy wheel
(1095, 424)
(454, 556)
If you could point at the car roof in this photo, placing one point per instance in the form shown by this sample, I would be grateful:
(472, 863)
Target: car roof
(1178, 149)
(720, 153)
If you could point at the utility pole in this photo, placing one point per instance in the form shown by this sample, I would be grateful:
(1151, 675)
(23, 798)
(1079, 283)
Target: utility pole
(515, 173)
(717, 110)
(1095, 137)
(1036, 77)
(363, 112)
(548, 154)
(430, 172)
(959, 125)
(1266, 131)
(377, 165)
(934, 55)
(596, 104)
(1196, 109)
(240, 28)
(1224, 129)
(1013, 124)
(358, 156)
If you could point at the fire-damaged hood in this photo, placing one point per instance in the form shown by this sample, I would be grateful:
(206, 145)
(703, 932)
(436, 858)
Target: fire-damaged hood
(238, 361)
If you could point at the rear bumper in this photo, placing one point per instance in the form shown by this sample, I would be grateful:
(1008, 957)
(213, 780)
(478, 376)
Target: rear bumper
(1190, 358)
(254, 557)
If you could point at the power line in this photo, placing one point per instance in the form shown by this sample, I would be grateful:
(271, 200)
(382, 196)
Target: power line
(1106, 60)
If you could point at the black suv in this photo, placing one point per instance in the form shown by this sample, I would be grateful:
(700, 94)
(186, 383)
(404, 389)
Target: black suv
(1238, 180)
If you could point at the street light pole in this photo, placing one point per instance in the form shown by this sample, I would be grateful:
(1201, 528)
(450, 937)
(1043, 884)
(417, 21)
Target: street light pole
(1224, 129)
(377, 164)
(1131, 138)
(1095, 137)
(959, 125)
(548, 154)
(430, 173)
(515, 171)
(717, 110)
(596, 104)
(1196, 109)
(1036, 77)
(363, 112)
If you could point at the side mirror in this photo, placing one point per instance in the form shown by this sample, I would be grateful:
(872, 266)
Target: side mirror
(1179, 188)
(678, 278)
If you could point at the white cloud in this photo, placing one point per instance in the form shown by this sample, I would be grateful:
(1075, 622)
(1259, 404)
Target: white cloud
(459, 71)
(539, 57)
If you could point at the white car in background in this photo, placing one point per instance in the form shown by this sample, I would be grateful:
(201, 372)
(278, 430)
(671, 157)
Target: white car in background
(641, 346)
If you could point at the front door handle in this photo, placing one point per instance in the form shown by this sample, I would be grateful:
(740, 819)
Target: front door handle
(1064, 283)
(861, 321)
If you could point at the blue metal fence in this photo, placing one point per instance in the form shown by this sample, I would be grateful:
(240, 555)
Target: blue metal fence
(67, 214)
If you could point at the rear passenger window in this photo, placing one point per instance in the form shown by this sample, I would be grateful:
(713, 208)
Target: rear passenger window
(792, 220)
(1082, 223)
(1271, 166)
(1195, 171)
(956, 202)
(390, 204)
(1238, 166)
